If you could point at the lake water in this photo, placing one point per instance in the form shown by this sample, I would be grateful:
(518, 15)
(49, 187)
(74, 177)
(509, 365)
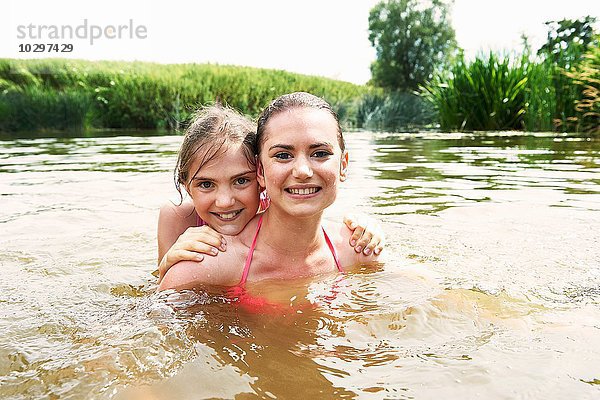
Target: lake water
(491, 286)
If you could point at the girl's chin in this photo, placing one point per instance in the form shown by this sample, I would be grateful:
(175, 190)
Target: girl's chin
(224, 227)
(229, 230)
(303, 212)
(307, 208)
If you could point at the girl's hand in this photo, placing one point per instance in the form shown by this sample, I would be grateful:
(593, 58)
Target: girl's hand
(191, 246)
(368, 236)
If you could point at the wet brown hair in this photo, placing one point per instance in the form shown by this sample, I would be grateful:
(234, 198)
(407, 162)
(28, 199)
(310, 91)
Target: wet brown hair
(211, 132)
(294, 100)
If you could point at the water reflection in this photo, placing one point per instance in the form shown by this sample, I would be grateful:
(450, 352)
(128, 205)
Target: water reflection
(490, 288)
(109, 154)
(428, 176)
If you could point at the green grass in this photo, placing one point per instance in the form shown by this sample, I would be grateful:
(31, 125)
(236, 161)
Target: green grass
(75, 94)
(36, 108)
(493, 92)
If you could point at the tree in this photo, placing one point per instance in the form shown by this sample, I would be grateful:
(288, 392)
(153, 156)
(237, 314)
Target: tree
(567, 43)
(412, 39)
(568, 40)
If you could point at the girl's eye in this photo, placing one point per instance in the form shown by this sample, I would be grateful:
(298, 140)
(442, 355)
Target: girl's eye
(205, 185)
(322, 153)
(283, 156)
(242, 181)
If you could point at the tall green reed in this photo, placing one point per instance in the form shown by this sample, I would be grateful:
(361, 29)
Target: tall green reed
(394, 111)
(486, 94)
(540, 97)
(586, 79)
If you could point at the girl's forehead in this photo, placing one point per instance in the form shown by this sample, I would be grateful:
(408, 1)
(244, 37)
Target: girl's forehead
(302, 115)
(301, 124)
(229, 160)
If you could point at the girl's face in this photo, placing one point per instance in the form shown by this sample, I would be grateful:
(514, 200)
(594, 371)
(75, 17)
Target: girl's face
(225, 191)
(301, 161)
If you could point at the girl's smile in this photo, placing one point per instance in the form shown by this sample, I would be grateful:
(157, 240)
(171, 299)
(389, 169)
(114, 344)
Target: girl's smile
(228, 216)
(303, 191)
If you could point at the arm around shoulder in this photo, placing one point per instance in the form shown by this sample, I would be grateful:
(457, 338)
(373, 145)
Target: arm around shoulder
(348, 255)
(183, 275)
(191, 274)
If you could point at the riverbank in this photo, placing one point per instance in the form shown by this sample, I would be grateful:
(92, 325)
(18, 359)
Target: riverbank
(76, 95)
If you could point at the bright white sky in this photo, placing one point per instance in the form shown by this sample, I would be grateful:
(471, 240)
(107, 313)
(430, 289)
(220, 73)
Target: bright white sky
(316, 37)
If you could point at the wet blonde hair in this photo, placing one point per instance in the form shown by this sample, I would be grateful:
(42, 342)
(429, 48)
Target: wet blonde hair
(212, 131)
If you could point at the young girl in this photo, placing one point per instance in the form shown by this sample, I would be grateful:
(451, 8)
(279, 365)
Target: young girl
(301, 161)
(217, 168)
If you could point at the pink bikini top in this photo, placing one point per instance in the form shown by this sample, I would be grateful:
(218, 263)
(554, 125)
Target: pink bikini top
(253, 246)
(259, 304)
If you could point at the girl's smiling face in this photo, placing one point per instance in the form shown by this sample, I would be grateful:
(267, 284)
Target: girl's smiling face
(301, 161)
(225, 191)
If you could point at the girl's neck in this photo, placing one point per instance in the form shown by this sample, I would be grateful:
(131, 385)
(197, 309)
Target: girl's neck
(291, 235)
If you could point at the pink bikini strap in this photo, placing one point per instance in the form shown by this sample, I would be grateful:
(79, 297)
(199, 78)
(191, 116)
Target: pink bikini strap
(335, 257)
(250, 253)
(253, 246)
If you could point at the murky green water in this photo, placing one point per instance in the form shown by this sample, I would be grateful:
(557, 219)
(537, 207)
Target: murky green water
(491, 288)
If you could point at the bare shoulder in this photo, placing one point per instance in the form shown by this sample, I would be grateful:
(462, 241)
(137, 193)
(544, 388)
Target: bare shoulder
(224, 270)
(181, 214)
(173, 220)
(339, 234)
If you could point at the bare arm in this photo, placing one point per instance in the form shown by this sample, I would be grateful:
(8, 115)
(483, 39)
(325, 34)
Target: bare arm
(179, 239)
(173, 220)
(223, 270)
(184, 275)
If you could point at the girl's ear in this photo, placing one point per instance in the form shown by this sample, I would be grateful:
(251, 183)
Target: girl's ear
(344, 166)
(260, 173)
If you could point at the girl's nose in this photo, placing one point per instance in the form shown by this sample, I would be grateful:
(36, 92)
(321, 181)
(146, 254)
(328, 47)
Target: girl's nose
(302, 169)
(224, 199)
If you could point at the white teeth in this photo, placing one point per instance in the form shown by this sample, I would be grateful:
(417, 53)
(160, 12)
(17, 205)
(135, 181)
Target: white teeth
(228, 216)
(303, 191)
